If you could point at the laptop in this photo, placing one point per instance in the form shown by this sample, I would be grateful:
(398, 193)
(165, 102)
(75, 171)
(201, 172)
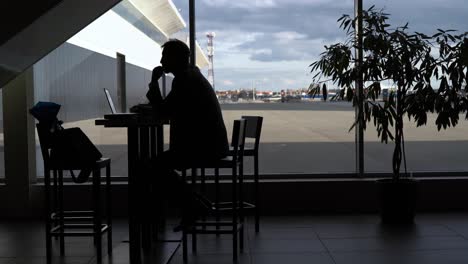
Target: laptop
(114, 113)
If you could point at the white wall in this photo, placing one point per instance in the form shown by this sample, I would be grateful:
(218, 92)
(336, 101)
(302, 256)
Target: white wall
(110, 33)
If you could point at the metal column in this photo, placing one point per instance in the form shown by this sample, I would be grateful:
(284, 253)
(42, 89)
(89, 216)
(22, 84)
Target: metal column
(359, 141)
(121, 83)
(192, 32)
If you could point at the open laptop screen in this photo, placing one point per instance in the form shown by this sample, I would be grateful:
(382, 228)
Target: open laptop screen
(139, 108)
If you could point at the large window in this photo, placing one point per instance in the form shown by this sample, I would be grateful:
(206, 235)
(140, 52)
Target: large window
(2, 153)
(427, 149)
(75, 74)
(300, 138)
(260, 66)
(262, 50)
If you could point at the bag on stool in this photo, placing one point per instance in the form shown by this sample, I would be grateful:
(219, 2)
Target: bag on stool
(73, 149)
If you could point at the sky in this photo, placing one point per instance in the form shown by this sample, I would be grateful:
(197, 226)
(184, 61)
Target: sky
(269, 44)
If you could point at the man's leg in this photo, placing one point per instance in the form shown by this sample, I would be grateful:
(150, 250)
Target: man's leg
(170, 186)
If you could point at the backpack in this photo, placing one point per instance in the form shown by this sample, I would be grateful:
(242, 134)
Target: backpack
(72, 149)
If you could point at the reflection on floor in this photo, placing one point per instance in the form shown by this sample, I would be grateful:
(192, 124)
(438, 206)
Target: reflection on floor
(334, 239)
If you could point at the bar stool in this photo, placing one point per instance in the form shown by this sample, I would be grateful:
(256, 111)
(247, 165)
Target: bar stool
(60, 222)
(236, 225)
(253, 130)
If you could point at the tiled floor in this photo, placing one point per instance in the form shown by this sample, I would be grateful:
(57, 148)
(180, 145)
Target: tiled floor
(334, 239)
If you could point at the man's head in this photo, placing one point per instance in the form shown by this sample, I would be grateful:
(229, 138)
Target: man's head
(175, 55)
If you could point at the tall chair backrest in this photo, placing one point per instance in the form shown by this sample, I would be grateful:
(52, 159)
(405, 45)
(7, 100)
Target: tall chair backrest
(238, 139)
(254, 129)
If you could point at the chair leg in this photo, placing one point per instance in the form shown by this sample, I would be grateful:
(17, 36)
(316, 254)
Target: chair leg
(257, 195)
(147, 218)
(203, 181)
(97, 213)
(47, 217)
(203, 190)
(184, 175)
(194, 242)
(234, 214)
(55, 203)
(184, 246)
(61, 212)
(194, 177)
(194, 234)
(217, 199)
(241, 206)
(109, 209)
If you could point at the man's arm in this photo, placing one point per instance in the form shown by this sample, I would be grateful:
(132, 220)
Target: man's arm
(164, 108)
(154, 94)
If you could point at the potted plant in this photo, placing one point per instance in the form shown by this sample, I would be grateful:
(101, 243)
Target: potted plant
(428, 74)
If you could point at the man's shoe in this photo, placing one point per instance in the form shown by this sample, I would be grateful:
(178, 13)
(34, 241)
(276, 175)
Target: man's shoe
(200, 206)
(186, 221)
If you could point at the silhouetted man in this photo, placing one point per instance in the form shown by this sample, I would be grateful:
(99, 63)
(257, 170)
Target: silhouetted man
(197, 132)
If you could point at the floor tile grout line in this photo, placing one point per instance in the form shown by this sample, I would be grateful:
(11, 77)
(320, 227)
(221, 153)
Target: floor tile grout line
(453, 230)
(247, 239)
(360, 251)
(326, 248)
(91, 261)
(247, 235)
(389, 236)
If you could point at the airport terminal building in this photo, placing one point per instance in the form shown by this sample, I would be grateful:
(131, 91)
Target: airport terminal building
(317, 189)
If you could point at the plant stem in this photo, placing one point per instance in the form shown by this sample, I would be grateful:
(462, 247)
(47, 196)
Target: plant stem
(397, 153)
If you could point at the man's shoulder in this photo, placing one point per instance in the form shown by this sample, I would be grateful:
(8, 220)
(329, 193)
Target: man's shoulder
(195, 77)
(194, 72)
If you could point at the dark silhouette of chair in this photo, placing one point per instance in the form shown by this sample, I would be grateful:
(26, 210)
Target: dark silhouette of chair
(236, 225)
(61, 223)
(253, 130)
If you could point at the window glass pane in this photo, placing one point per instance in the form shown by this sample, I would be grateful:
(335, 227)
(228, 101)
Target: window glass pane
(426, 148)
(262, 48)
(75, 74)
(2, 153)
(298, 138)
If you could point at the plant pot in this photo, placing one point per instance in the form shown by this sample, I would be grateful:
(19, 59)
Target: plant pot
(397, 200)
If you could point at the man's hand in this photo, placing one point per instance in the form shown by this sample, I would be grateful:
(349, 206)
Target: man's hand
(153, 94)
(157, 73)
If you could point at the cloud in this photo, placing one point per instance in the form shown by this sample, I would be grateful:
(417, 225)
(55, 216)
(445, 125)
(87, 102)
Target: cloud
(240, 3)
(268, 78)
(227, 40)
(228, 82)
(288, 81)
(276, 39)
(262, 52)
(249, 4)
(283, 46)
(279, 55)
(290, 17)
(286, 36)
